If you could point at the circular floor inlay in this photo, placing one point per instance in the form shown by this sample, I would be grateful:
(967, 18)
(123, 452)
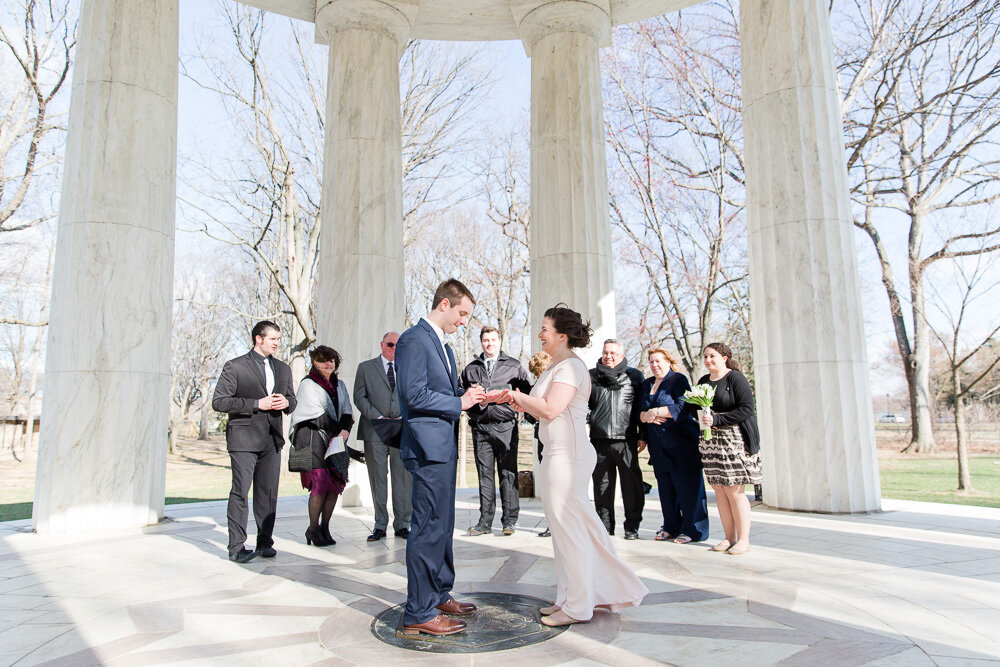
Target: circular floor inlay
(502, 621)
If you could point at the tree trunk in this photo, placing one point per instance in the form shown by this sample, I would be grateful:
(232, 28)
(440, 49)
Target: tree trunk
(205, 403)
(298, 352)
(961, 434)
(918, 375)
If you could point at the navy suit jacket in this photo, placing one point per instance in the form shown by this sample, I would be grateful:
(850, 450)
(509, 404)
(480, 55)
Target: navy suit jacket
(429, 397)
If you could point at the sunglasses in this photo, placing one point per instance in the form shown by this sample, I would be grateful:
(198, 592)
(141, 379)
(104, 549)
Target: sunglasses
(390, 345)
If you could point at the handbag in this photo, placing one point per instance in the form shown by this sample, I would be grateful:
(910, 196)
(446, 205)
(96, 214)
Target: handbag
(389, 431)
(308, 445)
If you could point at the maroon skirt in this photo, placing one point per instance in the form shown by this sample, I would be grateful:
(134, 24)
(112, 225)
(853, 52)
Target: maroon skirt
(322, 481)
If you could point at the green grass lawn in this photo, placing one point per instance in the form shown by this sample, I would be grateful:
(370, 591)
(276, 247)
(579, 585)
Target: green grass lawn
(934, 480)
(911, 478)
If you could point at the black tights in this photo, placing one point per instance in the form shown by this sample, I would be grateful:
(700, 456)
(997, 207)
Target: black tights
(321, 510)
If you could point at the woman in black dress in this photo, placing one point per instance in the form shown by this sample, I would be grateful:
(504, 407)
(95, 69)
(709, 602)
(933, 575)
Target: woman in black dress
(731, 458)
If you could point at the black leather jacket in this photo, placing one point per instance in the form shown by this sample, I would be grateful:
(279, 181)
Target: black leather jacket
(508, 372)
(614, 410)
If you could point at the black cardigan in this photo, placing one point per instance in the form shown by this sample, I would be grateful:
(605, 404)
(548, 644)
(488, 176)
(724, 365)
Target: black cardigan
(734, 405)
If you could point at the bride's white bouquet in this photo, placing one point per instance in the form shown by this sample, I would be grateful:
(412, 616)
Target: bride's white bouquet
(702, 395)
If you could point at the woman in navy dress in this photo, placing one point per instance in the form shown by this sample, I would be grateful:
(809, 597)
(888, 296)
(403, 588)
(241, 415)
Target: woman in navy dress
(671, 435)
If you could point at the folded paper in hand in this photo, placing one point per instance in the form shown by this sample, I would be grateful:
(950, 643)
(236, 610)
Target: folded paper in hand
(336, 446)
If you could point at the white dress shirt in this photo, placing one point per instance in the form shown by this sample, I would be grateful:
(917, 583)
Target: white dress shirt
(268, 376)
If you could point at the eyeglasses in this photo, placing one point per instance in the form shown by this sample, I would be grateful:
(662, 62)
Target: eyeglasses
(390, 345)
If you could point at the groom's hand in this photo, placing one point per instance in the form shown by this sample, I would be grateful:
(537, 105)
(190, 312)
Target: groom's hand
(474, 394)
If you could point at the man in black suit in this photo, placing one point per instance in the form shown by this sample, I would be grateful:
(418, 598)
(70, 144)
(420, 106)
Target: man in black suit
(255, 389)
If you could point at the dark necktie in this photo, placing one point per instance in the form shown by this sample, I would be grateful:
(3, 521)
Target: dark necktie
(391, 374)
(489, 368)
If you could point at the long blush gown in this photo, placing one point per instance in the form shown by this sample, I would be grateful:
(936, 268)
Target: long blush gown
(588, 571)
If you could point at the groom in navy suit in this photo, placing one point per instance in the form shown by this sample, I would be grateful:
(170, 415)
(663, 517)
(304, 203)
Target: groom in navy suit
(430, 403)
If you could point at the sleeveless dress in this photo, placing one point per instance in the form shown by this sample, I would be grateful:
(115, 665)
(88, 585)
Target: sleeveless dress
(588, 571)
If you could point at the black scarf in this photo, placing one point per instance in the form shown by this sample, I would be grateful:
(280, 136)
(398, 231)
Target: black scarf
(607, 376)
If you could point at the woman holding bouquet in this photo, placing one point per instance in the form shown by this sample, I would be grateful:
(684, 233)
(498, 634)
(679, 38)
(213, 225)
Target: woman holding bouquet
(671, 434)
(730, 458)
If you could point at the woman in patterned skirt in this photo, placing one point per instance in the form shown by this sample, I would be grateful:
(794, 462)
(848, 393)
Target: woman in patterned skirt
(731, 458)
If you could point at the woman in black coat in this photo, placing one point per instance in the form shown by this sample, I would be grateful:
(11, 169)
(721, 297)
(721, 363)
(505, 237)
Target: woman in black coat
(671, 436)
(323, 412)
(731, 458)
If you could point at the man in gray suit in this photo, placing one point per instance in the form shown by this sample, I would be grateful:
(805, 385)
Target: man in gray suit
(375, 398)
(255, 389)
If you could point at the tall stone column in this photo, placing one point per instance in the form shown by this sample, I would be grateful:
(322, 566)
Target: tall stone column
(102, 453)
(361, 245)
(570, 227)
(817, 433)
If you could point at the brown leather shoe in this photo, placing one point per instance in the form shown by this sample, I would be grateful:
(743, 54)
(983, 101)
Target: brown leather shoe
(456, 608)
(439, 626)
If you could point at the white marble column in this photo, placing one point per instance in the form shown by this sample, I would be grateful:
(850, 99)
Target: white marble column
(361, 245)
(570, 227)
(102, 453)
(817, 433)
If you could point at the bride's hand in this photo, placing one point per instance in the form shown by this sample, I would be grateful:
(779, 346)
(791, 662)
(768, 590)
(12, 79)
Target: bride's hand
(513, 396)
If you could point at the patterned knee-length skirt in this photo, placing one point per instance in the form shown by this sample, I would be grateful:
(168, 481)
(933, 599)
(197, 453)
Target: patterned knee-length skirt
(725, 459)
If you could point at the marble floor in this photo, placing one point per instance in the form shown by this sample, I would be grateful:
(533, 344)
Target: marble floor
(917, 584)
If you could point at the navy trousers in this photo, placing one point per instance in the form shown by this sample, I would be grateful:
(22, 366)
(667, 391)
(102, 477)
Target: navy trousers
(681, 487)
(430, 564)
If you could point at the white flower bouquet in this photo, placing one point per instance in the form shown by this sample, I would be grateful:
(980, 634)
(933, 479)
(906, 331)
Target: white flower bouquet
(702, 395)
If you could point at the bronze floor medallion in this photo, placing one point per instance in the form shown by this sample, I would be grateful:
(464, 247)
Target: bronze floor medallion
(502, 621)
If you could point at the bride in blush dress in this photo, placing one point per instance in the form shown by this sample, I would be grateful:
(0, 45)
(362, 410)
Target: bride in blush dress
(589, 574)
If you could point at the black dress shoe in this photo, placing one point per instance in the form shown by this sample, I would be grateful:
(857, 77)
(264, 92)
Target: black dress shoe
(266, 552)
(327, 537)
(376, 535)
(244, 555)
(545, 533)
(631, 534)
(403, 532)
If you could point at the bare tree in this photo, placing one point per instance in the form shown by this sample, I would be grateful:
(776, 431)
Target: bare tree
(920, 87)
(674, 122)
(37, 38)
(505, 293)
(203, 303)
(267, 201)
(971, 359)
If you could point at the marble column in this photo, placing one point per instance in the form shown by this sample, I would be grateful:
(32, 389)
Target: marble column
(570, 227)
(814, 401)
(361, 245)
(102, 453)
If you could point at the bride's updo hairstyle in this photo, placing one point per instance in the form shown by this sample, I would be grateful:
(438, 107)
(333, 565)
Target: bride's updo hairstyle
(568, 322)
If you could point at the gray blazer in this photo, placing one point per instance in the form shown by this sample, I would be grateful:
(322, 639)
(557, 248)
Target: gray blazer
(373, 398)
